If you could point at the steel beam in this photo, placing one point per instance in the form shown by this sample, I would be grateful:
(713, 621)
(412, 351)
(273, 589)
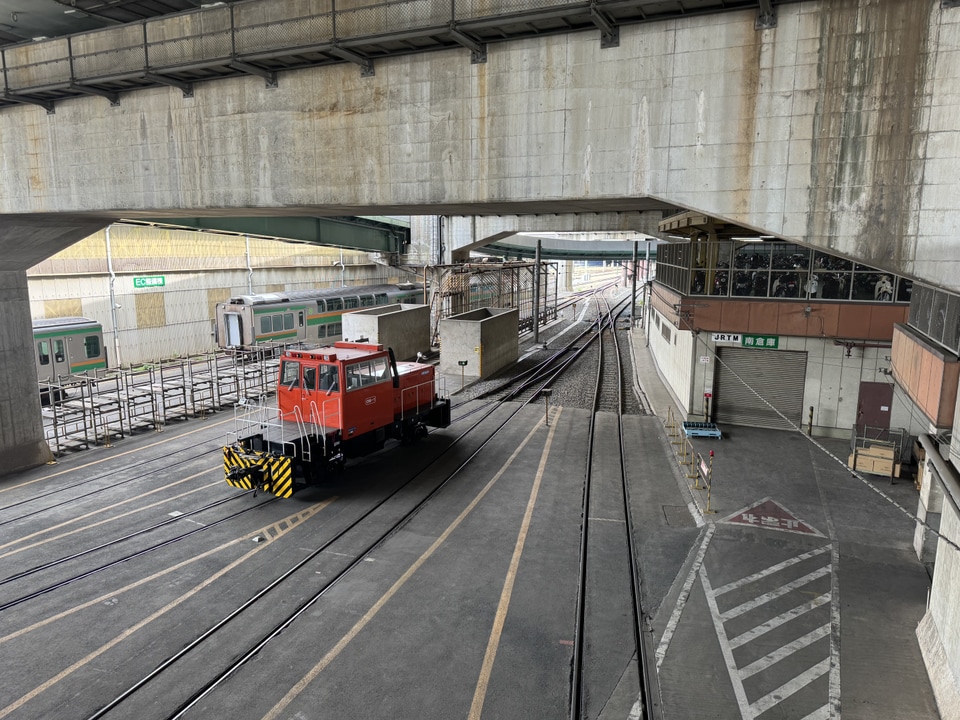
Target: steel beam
(365, 63)
(767, 19)
(478, 50)
(184, 87)
(28, 100)
(269, 76)
(113, 97)
(353, 233)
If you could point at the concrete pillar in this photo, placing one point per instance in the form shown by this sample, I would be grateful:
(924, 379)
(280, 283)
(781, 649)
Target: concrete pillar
(22, 444)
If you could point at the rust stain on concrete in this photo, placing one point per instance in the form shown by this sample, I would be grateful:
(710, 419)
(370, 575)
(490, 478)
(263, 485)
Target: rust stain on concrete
(871, 70)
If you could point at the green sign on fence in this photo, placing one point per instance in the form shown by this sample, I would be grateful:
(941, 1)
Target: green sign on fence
(149, 281)
(769, 342)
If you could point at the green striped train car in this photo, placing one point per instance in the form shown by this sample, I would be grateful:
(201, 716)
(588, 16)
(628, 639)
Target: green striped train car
(308, 316)
(65, 347)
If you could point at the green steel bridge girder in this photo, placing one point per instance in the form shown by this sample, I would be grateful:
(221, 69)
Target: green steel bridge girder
(375, 235)
(590, 251)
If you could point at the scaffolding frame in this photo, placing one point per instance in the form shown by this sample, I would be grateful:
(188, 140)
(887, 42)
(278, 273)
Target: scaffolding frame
(463, 287)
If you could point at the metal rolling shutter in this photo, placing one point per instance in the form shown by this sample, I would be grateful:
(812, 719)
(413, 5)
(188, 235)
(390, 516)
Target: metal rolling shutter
(778, 375)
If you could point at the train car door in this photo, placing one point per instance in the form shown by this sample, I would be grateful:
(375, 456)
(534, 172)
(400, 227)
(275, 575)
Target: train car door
(234, 329)
(321, 394)
(60, 357)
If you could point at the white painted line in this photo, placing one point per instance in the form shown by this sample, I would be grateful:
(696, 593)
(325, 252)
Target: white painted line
(835, 631)
(774, 594)
(725, 648)
(782, 652)
(789, 688)
(771, 570)
(821, 713)
(682, 598)
(779, 620)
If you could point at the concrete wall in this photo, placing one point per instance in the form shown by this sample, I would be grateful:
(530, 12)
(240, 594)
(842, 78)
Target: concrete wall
(672, 351)
(836, 128)
(486, 339)
(21, 436)
(403, 327)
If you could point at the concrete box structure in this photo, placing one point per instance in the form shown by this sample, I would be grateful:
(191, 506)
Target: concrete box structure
(403, 327)
(485, 339)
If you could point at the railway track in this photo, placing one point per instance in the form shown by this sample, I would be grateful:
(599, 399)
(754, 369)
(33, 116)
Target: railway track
(225, 644)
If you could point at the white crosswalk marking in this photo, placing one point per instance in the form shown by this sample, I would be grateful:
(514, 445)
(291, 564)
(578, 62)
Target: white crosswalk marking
(764, 595)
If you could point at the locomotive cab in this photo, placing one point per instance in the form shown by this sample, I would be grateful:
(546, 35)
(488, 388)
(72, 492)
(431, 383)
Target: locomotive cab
(333, 403)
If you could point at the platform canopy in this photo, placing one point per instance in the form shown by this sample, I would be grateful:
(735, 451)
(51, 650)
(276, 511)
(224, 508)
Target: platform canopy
(571, 246)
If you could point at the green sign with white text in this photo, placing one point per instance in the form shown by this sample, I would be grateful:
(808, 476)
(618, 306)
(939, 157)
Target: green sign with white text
(768, 342)
(149, 281)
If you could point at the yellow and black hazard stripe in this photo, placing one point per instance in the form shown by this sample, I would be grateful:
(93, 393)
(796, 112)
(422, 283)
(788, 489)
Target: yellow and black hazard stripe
(258, 471)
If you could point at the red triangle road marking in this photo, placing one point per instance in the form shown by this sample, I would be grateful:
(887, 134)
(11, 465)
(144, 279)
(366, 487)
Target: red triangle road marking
(772, 515)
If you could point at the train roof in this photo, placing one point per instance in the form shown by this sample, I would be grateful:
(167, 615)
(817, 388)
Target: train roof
(340, 350)
(295, 295)
(73, 322)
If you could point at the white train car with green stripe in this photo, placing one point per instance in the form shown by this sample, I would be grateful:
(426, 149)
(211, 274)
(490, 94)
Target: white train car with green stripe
(65, 348)
(301, 316)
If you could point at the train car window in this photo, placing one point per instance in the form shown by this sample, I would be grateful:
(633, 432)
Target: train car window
(321, 306)
(334, 329)
(328, 379)
(334, 304)
(59, 352)
(91, 344)
(288, 321)
(266, 324)
(277, 323)
(290, 374)
(381, 298)
(367, 301)
(349, 303)
(300, 319)
(43, 352)
(309, 378)
(321, 331)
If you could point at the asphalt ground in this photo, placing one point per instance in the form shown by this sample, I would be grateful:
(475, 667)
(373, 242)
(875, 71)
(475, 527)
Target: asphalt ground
(467, 610)
(799, 595)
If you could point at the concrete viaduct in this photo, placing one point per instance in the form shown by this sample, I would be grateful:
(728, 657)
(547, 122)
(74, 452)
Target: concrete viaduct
(834, 126)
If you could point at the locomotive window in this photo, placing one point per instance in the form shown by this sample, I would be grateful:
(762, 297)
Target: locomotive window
(266, 324)
(290, 374)
(334, 304)
(349, 303)
(367, 372)
(91, 344)
(367, 301)
(43, 352)
(309, 378)
(328, 378)
(59, 353)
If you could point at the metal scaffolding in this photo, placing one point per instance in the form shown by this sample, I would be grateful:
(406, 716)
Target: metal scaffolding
(460, 288)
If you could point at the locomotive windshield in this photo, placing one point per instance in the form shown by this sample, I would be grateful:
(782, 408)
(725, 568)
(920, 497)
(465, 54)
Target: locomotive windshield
(290, 374)
(329, 382)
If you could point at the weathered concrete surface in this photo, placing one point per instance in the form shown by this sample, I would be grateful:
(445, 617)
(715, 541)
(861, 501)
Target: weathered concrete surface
(836, 129)
(21, 434)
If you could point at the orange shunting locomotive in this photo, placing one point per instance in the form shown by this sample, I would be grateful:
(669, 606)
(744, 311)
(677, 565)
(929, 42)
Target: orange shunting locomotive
(333, 403)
